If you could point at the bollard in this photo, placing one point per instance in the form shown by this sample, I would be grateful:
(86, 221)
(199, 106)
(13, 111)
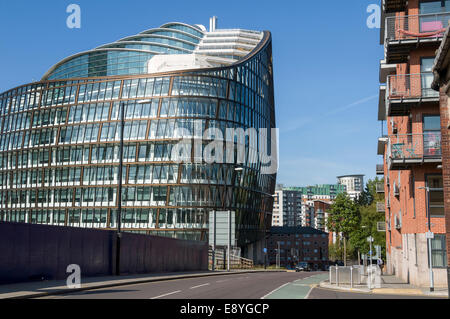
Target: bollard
(351, 277)
(337, 275)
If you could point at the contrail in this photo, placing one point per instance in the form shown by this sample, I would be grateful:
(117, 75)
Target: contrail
(349, 106)
(306, 121)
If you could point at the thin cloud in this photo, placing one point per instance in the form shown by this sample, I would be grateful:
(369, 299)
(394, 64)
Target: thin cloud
(304, 121)
(352, 105)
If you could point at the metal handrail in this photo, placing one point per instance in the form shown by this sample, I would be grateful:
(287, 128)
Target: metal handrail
(431, 25)
(409, 86)
(236, 262)
(415, 146)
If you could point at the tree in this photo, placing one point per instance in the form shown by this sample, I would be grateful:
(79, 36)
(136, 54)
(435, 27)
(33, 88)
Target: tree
(369, 219)
(344, 218)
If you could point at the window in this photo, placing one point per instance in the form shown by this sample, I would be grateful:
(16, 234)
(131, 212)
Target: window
(432, 19)
(432, 136)
(434, 6)
(436, 195)
(438, 251)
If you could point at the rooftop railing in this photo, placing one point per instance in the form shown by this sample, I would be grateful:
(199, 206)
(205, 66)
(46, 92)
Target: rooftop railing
(415, 146)
(410, 86)
(416, 26)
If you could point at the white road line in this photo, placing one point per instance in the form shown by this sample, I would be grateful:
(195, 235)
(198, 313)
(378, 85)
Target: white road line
(309, 292)
(199, 286)
(222, 280)
(168, 294)
(264, 297)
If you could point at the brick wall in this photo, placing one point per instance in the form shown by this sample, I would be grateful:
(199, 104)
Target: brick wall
(445, 144)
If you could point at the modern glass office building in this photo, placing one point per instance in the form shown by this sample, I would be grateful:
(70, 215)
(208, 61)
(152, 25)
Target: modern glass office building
(60, 137)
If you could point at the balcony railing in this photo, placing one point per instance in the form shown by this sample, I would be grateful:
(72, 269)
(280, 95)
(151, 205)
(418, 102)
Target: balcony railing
(416, 26)
(415, 146)
(380, 188)
(381, 207)
(380, 169)
(410, 86)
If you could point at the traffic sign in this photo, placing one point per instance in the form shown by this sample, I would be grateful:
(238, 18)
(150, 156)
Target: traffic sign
(429, 235)
(265, 250)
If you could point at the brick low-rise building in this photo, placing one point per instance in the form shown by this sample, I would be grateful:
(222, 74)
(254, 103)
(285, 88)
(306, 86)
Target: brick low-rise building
(298, 244)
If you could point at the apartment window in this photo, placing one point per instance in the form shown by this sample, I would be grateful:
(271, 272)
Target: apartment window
(432, 135)
(438, 251)
(436, 195)
(434, 6)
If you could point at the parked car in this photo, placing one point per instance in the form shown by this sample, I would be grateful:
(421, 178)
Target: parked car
(303, 266)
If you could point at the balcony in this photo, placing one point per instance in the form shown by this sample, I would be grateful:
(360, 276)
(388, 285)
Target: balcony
(380, 169)
(412, 149)
(380, 188)
(406, 90)
(404, 33)
(381, 207)
(381, 226)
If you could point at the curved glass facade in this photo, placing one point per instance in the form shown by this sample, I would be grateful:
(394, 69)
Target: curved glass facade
(59, 150)
(173, 38)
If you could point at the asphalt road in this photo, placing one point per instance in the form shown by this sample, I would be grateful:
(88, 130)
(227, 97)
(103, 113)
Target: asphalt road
(239, 286)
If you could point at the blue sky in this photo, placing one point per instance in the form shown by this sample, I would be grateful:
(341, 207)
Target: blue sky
(326, 64)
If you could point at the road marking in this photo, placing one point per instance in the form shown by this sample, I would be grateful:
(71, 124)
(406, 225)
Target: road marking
(309, 292)
(222, 280)
(168, 294)
(275, 290)
(199, 286)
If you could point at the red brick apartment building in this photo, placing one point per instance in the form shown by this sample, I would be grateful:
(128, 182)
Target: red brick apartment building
(411, 33)
(298, 244)
(441, 83)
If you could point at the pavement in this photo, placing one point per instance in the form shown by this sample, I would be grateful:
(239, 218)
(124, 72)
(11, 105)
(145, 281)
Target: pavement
(59, 287)
(390, 285)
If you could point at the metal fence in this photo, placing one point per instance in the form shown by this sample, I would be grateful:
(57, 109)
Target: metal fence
(410, 86)
(415, 146)
(221, 261)
(350, 275)
(416, 26)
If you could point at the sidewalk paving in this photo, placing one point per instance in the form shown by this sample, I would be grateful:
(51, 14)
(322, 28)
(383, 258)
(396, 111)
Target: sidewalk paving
(389, 285)
(57, 287)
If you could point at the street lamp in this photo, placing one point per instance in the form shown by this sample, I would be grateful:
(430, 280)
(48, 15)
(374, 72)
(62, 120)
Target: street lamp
(429, 236)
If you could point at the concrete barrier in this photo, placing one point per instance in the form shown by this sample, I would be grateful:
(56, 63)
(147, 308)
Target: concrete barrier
(39, 252)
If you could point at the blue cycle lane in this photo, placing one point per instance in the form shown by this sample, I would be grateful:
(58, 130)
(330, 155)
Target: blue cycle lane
(298, 289)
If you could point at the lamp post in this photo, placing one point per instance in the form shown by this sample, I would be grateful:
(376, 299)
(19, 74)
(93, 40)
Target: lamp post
(429, 236)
